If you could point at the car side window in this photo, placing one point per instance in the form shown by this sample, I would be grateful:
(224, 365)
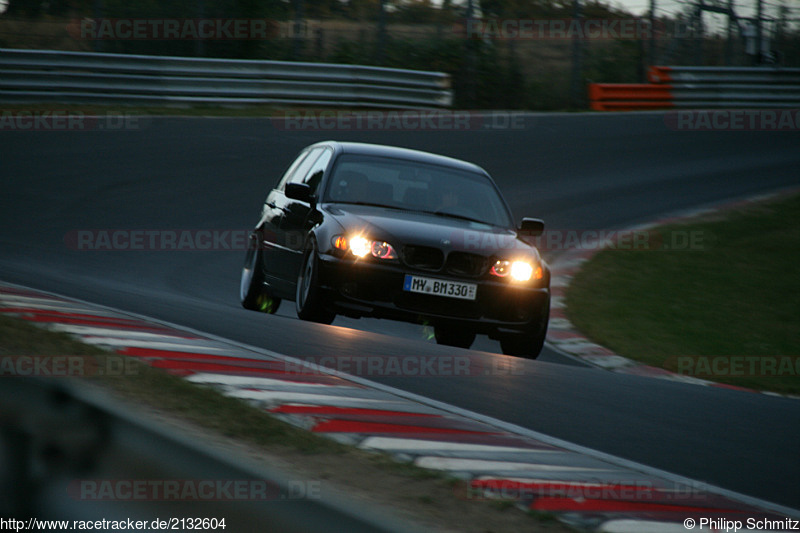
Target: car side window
(290, 169)
(299, 167)
(314, 175)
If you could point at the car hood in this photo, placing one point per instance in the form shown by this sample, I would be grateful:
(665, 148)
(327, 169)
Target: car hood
(401, 228)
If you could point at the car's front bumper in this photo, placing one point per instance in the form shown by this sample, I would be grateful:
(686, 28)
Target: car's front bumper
(369, 288)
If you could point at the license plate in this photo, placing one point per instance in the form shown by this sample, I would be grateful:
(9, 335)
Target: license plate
(440, 287)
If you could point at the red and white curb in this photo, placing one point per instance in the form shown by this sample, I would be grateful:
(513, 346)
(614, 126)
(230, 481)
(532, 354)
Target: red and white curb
(563, 336)
(497, 460)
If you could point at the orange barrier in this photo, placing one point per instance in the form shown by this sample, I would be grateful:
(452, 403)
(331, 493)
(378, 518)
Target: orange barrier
(629, 96)
(659, 74)
(702, 88)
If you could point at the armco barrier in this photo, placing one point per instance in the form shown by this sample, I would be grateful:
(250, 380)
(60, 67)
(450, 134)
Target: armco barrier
(702, 87)
(37, 76)
(71, 452)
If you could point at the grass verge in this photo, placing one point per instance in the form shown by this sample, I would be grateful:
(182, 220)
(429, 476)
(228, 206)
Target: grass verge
(716, 299)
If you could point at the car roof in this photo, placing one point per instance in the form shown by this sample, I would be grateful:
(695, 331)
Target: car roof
(380, 150)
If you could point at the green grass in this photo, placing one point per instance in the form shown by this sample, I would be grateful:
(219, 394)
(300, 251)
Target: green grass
(736, 292)
(18, 337)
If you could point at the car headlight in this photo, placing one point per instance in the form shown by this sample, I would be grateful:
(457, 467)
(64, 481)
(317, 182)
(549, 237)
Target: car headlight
(517, 270)
(361, 246)
(382, 250)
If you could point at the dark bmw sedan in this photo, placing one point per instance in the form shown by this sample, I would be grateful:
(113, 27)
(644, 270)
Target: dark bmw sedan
(365, 230)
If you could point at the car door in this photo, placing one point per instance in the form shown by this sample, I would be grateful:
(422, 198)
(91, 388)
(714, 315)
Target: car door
(298, 217)
(272, 241)
(283, 244)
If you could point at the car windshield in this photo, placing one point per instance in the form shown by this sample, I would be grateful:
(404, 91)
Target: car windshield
(414, 186)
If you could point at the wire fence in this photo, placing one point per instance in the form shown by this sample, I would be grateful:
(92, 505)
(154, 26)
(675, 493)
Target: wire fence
(505, 59)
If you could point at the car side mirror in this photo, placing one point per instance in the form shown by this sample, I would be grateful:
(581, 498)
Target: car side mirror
(299, 191)
(531, 227)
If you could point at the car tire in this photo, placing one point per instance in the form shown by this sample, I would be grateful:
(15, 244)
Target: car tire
(252, 292)
(449, 335)
(309, 300)
(527, 344)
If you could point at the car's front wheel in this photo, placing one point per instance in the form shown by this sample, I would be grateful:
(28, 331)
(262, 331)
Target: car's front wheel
(527, 344)
(452, 335)
(310, 301)
(252, 292)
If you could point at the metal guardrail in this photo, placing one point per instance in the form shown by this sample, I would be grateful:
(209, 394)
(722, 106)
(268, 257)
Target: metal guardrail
(702, 87)
(58, 438)
(79, 77)
(746, 75)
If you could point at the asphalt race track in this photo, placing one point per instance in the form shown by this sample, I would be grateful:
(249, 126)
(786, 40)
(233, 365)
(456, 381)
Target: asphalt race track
(582, 171)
